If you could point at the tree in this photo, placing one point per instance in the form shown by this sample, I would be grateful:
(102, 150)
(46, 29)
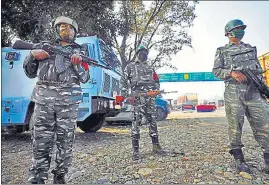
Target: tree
(162, 28)
(32, 20)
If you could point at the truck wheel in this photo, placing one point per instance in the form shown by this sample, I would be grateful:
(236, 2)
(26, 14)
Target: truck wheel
(161, 114)
(92, 124)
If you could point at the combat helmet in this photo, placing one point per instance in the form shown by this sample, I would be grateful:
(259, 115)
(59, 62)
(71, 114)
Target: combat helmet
(236, 23)
(142, 47)
(66, 20)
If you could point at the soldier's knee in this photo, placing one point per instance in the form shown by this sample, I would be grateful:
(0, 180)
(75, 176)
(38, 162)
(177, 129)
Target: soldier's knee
(154, 134)
(135, 136)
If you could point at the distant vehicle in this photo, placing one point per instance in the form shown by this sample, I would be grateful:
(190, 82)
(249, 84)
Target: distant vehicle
(206, 108)
(188, 107)
(163, 108)
(125, 115)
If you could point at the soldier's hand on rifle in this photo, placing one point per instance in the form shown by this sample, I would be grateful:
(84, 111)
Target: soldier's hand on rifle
(39, 54)
(76, 59)
(238, 76)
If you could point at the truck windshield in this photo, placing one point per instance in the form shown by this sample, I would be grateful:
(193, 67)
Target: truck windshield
(109, 57)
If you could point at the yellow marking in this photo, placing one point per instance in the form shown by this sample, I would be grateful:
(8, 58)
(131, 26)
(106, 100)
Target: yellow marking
(117, 107)
(186, 76)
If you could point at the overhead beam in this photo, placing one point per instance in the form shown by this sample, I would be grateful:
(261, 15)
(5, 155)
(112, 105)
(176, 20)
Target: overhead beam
(188, 77)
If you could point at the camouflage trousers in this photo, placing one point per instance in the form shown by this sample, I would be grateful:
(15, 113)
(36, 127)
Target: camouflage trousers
(52, 123)
(144, 106)
(256, 110)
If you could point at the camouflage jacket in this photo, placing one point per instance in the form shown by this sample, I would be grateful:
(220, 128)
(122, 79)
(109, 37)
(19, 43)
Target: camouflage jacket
(52, 86)
(242, 56)
(138, 77)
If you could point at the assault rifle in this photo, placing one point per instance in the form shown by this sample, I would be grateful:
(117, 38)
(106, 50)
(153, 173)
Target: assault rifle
(61, 66)
(120, 98)
(150, 93)
(258, 83)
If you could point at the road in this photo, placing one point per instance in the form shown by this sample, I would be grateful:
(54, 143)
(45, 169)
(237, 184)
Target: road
(197, 154)
(217, 117)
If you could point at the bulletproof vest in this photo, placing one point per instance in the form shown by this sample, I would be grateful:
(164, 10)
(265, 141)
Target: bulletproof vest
(58, 68)
(61, 63)
(241, 58)
(143, 75)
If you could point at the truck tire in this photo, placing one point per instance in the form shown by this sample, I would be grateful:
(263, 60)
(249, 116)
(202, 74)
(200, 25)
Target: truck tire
(92, 124)
(161, 114)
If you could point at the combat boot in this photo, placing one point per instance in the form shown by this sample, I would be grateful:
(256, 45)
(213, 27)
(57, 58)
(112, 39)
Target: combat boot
(266, 160)
(34, 177)
(240, 164)
(135, 143)
(157, 149)
(59, 179)
(36, 181)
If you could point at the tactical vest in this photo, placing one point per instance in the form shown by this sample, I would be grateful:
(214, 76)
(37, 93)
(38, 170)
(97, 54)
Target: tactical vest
(241, 58)
(142, 76)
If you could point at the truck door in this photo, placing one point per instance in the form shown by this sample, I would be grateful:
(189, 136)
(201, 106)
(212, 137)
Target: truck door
(16, 86)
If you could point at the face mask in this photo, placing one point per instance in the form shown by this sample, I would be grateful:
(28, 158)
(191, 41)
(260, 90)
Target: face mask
(66, 32)
(239, 34)
(142, 56)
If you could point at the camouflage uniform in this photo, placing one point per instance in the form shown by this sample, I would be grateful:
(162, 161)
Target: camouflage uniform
(138, 76)
(57, 97)
(240, 98)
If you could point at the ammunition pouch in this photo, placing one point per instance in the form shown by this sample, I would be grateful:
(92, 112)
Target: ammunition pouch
(246, 58)
(60, 64)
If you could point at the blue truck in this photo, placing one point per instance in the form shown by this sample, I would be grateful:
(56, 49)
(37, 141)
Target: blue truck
(162, 108)
(97, 103)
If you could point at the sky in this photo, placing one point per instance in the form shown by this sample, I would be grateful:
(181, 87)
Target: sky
(208, 34)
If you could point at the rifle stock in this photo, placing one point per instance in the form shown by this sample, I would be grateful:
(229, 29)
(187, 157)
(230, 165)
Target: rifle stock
(19, 44)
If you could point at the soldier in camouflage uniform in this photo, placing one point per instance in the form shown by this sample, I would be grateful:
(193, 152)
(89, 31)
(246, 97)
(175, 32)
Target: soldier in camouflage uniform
(57, 95)
(140, 77)
(240, 97)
